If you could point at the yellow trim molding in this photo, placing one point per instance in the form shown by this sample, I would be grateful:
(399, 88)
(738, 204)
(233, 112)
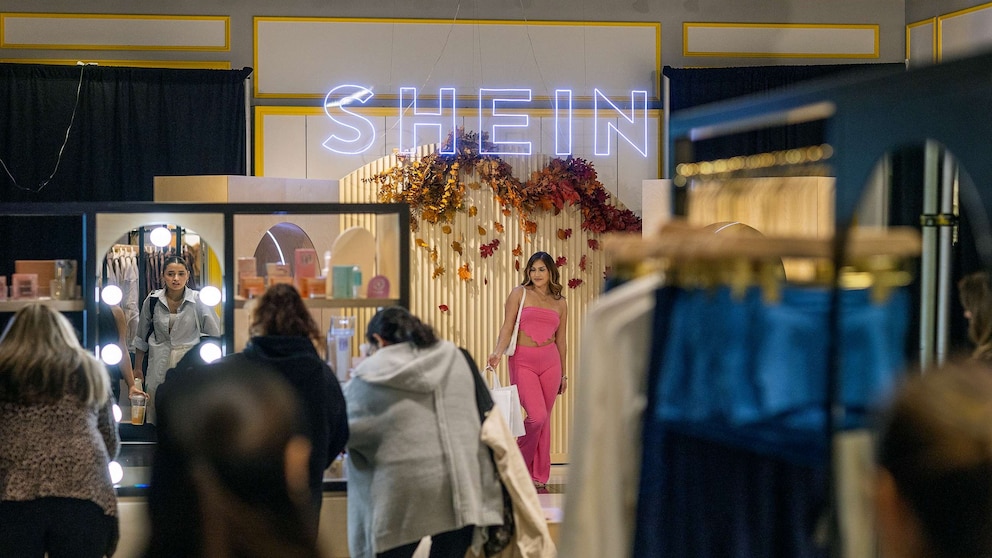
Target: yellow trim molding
(69, 18)
(686, 26)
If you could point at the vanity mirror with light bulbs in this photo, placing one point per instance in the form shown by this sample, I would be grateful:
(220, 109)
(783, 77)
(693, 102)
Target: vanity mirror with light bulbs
(118, 248)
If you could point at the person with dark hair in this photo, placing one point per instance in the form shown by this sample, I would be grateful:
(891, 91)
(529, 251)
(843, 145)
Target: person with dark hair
(415, 438)
(233, 432)
(57, 437)
(534, 330)
(285, 337)
(171, 321)
(934, 482)
(975, 294)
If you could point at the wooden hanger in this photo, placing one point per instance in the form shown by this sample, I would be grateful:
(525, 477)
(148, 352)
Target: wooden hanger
(680, 241)
(699, 257)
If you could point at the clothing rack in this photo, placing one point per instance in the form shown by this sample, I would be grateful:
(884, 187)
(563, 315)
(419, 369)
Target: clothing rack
(679, 241)
(860, 130)
(697, 257)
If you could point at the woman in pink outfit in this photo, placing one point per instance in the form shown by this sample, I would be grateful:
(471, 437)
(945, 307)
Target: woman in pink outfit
(537, 366)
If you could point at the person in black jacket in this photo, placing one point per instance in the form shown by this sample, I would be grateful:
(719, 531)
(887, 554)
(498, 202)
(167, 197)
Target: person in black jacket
(285, 337)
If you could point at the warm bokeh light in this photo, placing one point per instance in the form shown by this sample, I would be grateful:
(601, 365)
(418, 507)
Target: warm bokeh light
(111, 354)
(210, 352)
(116, 472)
(210, 296)
(112, 294)
(160, 237)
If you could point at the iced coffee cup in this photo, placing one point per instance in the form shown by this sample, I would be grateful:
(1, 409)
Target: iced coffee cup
(138, 409)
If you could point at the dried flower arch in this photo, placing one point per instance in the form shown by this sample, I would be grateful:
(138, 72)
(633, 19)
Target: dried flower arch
(431, 186)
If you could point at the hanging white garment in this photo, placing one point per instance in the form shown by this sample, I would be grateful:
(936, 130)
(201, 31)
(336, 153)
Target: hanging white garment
(130, 301)
(605, 445)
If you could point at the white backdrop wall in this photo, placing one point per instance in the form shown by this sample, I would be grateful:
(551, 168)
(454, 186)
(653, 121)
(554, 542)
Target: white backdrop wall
(889, 15)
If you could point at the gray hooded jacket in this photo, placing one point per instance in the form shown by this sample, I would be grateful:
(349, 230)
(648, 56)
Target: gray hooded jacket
(416, 465)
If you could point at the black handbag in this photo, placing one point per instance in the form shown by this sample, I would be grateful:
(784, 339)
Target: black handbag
(499, 536)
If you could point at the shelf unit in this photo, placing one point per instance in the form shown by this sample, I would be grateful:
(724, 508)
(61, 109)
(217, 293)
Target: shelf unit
(338, 302)
(104, 223)
(60, 305)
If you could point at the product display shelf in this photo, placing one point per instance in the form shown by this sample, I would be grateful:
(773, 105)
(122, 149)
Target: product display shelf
(338, 302)
(60, 305)
(103, 224)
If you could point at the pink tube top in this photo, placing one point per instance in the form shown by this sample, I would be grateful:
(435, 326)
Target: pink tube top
(540, 324)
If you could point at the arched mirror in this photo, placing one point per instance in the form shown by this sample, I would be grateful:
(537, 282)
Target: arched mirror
(924, 185)
(166, 261)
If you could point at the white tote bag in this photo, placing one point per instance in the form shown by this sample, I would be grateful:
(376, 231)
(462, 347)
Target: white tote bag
(507, 400)
(512, 347)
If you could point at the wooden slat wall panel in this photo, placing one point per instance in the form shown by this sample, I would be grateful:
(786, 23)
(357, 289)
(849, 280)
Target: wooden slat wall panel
(475, 307)
(799, 206)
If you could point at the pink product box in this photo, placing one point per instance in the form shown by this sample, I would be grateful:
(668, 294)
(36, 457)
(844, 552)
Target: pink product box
(24, 286)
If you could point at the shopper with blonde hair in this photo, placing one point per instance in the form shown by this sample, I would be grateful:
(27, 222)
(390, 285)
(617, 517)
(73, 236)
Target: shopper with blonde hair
(57, 437)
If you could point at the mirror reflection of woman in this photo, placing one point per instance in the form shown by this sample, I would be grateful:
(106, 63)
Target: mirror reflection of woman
(171, 322)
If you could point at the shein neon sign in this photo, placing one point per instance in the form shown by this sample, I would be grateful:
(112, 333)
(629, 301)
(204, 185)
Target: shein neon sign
(357, 133)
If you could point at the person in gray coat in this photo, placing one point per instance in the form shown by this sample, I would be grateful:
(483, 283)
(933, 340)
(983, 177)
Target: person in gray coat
(416, 465)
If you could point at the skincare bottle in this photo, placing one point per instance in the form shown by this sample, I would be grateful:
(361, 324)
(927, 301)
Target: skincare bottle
(328, 283)
(356, 281)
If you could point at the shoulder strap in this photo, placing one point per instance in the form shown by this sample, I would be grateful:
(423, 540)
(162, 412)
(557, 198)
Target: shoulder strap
(152, 303)
(483, 399)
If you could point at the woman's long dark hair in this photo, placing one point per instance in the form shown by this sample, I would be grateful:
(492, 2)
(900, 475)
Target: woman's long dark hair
(397, 325)
(235, 425)
(554, 285)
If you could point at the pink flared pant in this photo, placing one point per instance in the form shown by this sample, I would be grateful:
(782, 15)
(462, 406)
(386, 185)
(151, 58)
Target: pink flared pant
(537, 373)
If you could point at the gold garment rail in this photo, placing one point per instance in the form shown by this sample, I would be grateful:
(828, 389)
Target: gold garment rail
(696, 257)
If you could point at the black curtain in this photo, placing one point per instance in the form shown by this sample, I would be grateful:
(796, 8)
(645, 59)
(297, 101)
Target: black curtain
(127, 126)
(691, 87)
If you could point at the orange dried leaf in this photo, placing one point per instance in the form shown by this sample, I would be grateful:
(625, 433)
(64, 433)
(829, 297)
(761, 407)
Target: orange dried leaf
(420, 242)
(473, 211)
(438, 271)
(498, 226)
(457, 247)
(518, 251)
(446, 229)
(465, 273)
(482, 230)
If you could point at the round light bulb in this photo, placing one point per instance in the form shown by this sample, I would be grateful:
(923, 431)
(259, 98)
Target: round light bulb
(161, 237)
(117, 413)
(210, 296)
(111, 354)
(112, 294)
(210, 352)
(116, 472)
